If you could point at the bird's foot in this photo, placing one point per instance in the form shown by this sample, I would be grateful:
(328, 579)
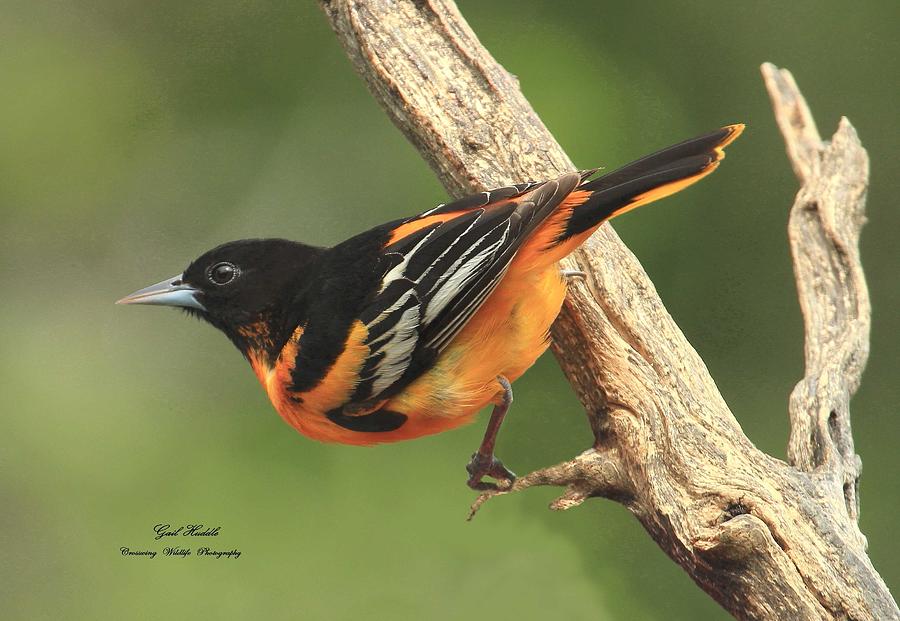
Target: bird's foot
(572, 274)
(481, 466)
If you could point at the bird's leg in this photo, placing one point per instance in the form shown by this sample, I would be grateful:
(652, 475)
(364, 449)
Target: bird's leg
(572, 274)
(483, 462)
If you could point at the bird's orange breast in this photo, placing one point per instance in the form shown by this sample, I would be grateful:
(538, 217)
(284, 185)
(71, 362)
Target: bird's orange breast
(505, 337)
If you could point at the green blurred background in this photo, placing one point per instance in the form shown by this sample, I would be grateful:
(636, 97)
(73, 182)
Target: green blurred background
(134, 135)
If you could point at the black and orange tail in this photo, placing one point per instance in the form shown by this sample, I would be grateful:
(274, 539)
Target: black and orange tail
(645, 180)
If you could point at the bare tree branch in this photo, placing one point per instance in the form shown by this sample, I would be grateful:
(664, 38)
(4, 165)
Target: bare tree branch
(765, 539)
(824, 231)
(593, 473)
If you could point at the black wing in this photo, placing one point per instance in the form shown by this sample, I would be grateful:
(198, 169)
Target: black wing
(434, 279)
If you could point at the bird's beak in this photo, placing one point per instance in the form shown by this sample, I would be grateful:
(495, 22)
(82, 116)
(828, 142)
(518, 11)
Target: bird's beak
(170, 292)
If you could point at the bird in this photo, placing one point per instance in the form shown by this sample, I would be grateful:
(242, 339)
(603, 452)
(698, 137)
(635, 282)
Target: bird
(412, 327)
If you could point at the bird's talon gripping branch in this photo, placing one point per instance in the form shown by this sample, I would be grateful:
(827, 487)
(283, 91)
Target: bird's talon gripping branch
(483, 462)
(482, 465)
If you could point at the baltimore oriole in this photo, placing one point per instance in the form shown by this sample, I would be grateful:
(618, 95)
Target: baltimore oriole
(412, 327)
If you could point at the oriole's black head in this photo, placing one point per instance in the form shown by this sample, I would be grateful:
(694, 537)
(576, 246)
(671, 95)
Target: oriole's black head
(238, 284)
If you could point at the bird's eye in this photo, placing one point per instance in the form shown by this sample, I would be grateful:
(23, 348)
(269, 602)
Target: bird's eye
(222, 273)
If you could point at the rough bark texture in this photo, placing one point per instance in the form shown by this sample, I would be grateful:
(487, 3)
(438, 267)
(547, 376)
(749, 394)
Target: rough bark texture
(824, 234)
(766, 539)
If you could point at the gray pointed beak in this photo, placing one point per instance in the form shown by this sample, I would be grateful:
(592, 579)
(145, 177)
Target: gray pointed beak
(170, 292)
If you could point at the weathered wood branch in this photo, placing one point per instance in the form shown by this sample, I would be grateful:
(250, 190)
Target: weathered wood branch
(823, 230)
(764, 538)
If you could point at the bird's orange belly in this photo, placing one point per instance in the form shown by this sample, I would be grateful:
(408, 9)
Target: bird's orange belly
(505, 337)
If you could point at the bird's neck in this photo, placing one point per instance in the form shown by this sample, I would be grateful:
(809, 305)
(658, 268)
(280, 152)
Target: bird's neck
(260, 336)
(260, 339)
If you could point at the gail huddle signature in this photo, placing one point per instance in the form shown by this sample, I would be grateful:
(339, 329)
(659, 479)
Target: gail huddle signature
(172, 549)
(186, 530)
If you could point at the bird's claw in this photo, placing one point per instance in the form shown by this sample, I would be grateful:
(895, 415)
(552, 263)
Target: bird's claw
(481, 466)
